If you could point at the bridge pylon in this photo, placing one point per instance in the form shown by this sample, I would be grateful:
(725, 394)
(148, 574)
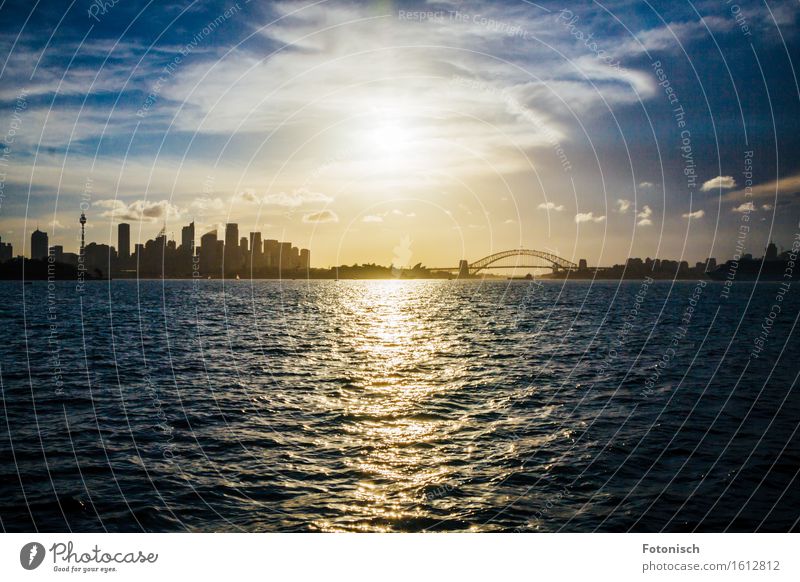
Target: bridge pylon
(463, 269)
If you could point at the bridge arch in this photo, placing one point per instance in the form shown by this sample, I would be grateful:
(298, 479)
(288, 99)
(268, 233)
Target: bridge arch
(556, 261)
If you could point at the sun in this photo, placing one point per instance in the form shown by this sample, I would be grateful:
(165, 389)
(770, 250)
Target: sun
(391, 137)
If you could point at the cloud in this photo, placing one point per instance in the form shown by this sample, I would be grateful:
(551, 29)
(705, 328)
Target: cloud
(644, 216)
(372, 218)
(646, 185)
(248, 195)
(139, 210)
(723, 182)
(206, 204)
(623, 205)
(588, 217)
(788, 185)
(695, 215)
(767, 207)
(320, 217)
(296, 198)
(551, 206)
(744, 207)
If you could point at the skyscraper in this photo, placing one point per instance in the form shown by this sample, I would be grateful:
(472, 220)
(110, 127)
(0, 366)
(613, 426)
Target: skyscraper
(187, 239)
(256, 250)
(305, 259)
(6, 251)
(231, 247)
(271, 252)
(209, 259)
(124, 240)
(285, 258)
(772, 252)
(39, 245)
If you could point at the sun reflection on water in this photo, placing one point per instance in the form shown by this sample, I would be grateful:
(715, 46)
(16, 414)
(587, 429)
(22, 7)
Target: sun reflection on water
(388, 417)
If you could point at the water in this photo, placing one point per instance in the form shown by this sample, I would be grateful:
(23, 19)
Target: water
(397, 406)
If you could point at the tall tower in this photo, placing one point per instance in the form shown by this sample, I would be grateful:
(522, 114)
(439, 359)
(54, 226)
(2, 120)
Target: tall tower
(124, 240)
(187, 238)
(39, 245)
(772, 252)
(231, 247)
(83, 232)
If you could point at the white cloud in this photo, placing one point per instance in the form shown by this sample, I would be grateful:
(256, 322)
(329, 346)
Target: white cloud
(696, 214)
(744, 207)
(623, 205)
(646, 185)
(644, 216)
(372, 218)
(320, 217)
(724, 182)
(207, 204)
(139, 210)
(248, 195)
(766, 207)
(296, 198)
(588, 217)
(551, 206)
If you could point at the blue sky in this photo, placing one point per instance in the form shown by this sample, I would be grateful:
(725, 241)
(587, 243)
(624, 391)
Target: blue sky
(460, 128)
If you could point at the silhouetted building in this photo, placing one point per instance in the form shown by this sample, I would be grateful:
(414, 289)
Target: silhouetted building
(711, 264)
(187, 239)
(39, 245)
(99, 257)
(6, 251)
(772, 252)
(210, 258)
(124, 240)
(232, 259)
(285, 258)
(582, 264)
(271, 253)
(305, 259)
(57, 252)
(256, 251)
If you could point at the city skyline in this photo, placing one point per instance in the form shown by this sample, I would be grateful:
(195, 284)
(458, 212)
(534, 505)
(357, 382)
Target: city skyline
(233, 256)
(543, 145)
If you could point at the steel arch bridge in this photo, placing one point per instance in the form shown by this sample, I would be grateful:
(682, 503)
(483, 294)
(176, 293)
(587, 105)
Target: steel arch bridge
(555, 262)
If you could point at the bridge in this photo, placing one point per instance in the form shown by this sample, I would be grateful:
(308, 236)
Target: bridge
(533, 260)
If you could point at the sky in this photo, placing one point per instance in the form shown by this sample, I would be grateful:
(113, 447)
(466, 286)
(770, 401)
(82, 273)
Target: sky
(406, 132)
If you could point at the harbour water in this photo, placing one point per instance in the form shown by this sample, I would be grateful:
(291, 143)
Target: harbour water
(399, 406)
